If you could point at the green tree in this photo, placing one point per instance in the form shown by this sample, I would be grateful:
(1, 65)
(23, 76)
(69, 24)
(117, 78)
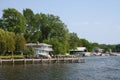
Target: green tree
(2, 40)
(30, 51)
(58, 47)
(32, 32)
(85, 43)
(1, 24)
(53, 31)
(10, 41)
(117, 48)
(74, 40)
(7, 41)
(13, 21)
(20, 42)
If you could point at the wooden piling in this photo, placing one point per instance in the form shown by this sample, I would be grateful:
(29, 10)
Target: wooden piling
(1, 61)
(72, 58)
(41, 60)
(56, 59)
(13, 61)
(49, 61)
(32, 61)
(24, 61)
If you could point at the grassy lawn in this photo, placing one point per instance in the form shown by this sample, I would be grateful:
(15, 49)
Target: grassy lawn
(10, 56)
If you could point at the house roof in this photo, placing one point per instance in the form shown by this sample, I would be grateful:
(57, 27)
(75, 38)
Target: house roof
(35, 44)
(79, 49)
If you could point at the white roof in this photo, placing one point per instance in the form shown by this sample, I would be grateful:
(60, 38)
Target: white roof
(40, 44)
(79, 49)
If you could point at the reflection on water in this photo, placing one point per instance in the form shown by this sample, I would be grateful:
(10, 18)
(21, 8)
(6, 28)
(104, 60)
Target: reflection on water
(95, 68)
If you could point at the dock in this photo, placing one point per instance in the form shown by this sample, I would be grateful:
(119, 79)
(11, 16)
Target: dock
(55, 59)
(115, 54)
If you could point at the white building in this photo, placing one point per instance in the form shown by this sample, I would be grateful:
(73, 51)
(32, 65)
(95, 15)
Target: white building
(78, 51)
(41, 49)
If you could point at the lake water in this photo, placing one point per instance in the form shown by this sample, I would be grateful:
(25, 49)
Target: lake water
(95, 68)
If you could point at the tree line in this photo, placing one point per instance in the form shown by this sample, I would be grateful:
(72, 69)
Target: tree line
(9, 41)
(17, 29)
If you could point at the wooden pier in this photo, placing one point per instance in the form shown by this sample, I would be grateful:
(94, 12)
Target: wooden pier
(55, 59)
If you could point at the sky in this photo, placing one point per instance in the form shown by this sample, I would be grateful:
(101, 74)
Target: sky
(95, 20)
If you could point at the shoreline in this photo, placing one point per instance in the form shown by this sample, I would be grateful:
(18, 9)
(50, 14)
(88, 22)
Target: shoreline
(59, 59)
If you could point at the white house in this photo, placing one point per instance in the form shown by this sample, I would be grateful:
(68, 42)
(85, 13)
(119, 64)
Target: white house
(82, 49)
(78, 51)
(41, 49)
(98, 51)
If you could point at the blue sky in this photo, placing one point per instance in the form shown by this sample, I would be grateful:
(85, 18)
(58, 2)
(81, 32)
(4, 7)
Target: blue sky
(95, 20)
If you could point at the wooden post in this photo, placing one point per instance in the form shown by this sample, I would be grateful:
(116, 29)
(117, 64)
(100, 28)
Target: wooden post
(58, 59)
(55, 59)
(12, 55)
(24, 61)
(32, 61)
(49, 60)
(41, 60)
(1, 61)
(13, 61)
(72, 58)
(63, 59)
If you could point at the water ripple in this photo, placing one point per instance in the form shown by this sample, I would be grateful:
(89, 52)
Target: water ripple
(95, 68)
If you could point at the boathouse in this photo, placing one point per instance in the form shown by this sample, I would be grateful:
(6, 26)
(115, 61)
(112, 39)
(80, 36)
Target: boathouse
(78, 51)
(42, 49)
